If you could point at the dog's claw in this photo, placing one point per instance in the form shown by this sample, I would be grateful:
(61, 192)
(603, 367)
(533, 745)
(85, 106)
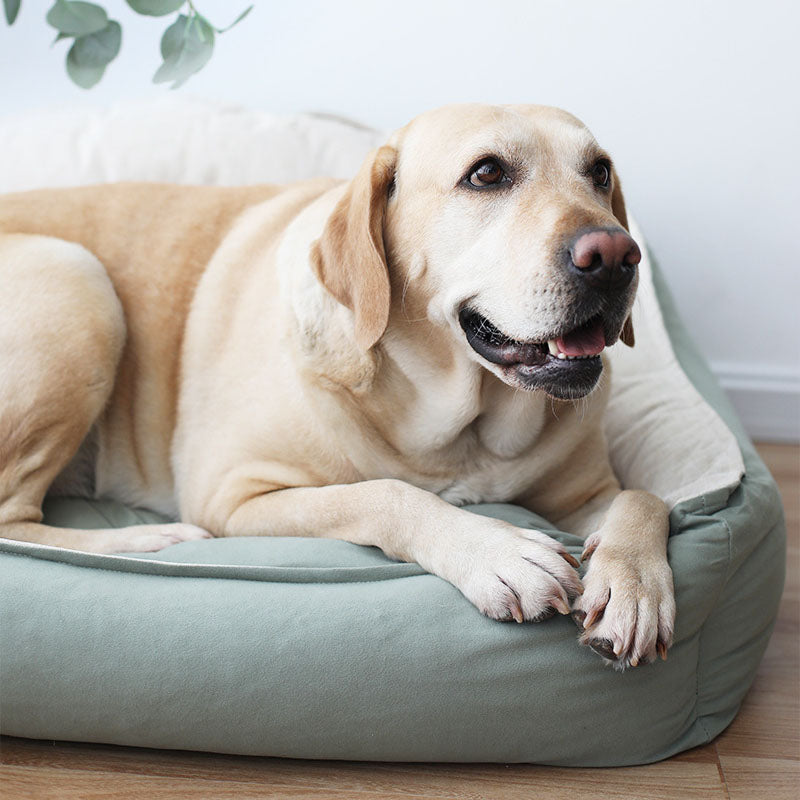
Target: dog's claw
(661, 648)
(516, 611)
(592, 617)
(560, 606)
(587, 553)
(589, 546)
(570, 559)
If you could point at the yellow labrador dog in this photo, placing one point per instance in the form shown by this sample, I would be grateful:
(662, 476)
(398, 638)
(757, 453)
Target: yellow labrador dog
(350, 360)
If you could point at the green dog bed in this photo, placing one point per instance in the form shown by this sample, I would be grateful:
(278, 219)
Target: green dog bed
(314, 648)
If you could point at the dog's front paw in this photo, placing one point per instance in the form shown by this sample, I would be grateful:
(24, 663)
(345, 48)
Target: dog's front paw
(513, 573)
(627, 610)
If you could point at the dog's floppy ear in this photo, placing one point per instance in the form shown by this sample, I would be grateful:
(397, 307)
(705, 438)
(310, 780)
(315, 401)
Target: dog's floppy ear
(618, 207)
(349, 259)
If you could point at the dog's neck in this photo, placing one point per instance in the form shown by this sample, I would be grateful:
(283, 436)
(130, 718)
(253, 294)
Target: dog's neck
(445, 398)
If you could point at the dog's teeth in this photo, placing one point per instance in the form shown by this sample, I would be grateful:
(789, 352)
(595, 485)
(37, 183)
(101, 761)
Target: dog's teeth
(553, 347)
(562, 356)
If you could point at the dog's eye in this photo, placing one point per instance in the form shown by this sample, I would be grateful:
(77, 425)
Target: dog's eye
(601, 174)
(487, 173)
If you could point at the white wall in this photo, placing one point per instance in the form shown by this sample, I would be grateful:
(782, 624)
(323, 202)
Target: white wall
(696, 100)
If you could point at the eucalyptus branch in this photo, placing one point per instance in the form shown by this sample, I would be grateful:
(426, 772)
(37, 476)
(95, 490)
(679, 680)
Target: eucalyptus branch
(186, 45)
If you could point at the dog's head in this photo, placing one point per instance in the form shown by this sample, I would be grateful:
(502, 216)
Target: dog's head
(504, 226)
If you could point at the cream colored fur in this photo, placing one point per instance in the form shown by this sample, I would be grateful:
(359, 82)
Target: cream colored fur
(289, 361)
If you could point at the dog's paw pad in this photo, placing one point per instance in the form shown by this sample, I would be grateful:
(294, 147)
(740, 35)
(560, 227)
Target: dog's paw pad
(603, 647)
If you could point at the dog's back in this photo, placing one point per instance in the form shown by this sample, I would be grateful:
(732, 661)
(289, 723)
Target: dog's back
(154, 241)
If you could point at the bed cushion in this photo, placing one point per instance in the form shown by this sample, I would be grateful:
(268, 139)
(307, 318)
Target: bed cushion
(321, 649)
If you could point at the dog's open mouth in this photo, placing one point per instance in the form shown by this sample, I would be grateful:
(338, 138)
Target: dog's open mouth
(566, 366)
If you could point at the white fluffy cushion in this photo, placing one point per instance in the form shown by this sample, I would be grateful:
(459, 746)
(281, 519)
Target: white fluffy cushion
(176, 142)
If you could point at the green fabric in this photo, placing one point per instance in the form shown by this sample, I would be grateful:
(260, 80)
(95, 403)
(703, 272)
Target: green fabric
(321, 649)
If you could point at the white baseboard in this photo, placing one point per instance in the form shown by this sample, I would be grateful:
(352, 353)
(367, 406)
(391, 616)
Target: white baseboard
(767, 399)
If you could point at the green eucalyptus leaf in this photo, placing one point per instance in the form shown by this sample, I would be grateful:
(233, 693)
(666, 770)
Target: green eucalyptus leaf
(75, 18)
(237, 20)
(155, 8)
(186, 47)
(12, 9)
(172, 39)
(83, 75)
(203, 29)
(97, 49)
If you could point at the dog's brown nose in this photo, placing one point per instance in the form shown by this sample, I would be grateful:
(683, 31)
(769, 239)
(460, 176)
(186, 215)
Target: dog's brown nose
(606, 258)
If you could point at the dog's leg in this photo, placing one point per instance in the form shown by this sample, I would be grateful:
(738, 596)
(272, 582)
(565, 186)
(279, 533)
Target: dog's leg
(507, 572)
(627, 611)
(61, 336)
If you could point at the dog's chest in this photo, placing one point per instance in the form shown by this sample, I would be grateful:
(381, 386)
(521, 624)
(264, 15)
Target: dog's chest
(492, 459)
(487, 486)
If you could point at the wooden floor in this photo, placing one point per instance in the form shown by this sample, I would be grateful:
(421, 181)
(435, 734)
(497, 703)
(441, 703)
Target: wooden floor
(757, 757)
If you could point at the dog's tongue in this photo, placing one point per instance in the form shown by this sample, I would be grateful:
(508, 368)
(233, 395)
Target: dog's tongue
(588, 340)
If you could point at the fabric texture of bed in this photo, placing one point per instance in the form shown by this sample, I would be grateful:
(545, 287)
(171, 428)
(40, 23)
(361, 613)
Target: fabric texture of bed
(321, 649)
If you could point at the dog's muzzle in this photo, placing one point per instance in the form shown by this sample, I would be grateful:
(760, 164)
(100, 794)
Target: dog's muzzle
(567, 366)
